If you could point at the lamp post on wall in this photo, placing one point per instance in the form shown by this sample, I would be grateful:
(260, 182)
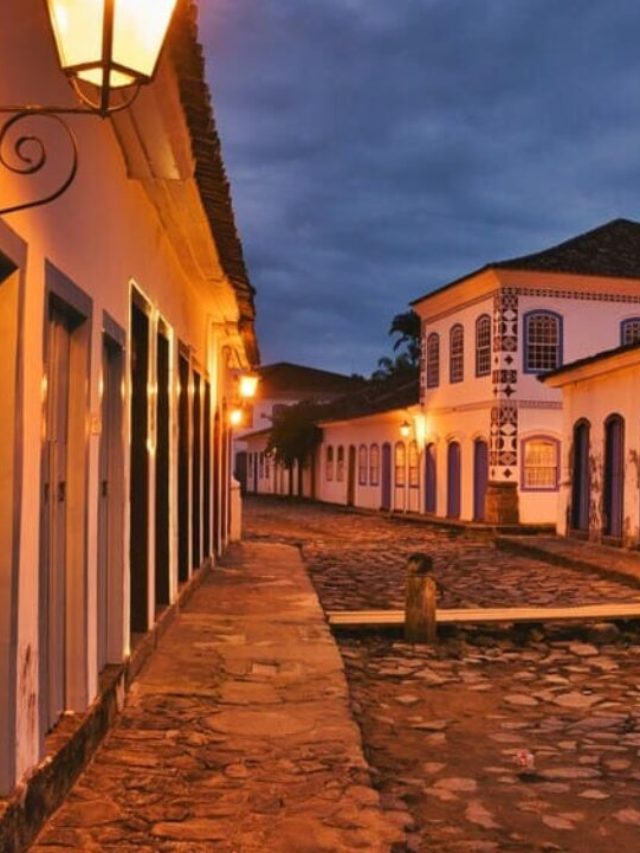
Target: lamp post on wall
(107, 49)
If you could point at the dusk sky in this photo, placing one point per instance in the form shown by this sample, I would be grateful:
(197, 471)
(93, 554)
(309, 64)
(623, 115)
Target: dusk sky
(380, 148)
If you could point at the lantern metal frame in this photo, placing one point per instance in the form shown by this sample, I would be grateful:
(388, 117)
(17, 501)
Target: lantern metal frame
(26, 154)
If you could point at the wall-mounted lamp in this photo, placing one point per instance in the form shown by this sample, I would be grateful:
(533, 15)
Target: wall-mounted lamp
(236, 416)
(104, 46)
(405, 429)
(248, 385)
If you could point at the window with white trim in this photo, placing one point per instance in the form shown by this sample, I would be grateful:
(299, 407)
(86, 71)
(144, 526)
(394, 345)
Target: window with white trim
(456, 353)
(374, 465)
(362, 465)
(630, 331)
(414, 471)
(483, 345)
(540, 463)
(433, 360)
(542, 341)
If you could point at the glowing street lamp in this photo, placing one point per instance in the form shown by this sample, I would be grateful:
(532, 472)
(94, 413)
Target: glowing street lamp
(248, 385)
(104, 46)
(405, 429)
(110, 44)
(236, 416)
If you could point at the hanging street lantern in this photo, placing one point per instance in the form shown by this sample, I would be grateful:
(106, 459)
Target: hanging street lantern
(248, 385)
(104, 47)
(405, 429)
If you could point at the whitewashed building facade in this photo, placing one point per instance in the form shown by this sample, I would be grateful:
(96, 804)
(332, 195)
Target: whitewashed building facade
(600, 475)
(124, 305)
(493, 434)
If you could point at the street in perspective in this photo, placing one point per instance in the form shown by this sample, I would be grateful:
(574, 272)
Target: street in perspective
(523, 738)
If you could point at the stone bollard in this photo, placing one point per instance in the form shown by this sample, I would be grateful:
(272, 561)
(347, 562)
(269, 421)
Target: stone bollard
(420, 606)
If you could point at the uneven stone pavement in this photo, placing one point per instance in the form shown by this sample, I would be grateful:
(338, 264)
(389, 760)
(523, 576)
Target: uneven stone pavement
(237, 736)
(451, 729)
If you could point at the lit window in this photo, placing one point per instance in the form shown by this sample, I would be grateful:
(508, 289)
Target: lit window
(543, 341)
(414, 473)
(540, 468)
(374, 465)
(340, 465)
(329, 468)
(433, 360)
(483, 345)
(456, 353)
(400, 464)
(630, 331)
(362, 465)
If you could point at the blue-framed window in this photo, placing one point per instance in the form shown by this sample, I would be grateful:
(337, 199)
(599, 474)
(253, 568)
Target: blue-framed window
(483, 345)
(456, 353)
(542, 341)
(630, 331)
(433, 360)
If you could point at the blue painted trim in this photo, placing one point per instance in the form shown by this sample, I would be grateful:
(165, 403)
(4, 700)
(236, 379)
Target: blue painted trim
(624, 323)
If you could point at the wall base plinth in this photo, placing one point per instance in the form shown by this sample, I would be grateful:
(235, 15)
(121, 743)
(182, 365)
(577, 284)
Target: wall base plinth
(501, 503)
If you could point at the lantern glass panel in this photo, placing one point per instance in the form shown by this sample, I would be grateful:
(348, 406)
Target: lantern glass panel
(139, 30)
(77, 27)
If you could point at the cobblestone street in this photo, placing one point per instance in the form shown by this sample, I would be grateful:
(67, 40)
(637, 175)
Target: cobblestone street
(517, 740)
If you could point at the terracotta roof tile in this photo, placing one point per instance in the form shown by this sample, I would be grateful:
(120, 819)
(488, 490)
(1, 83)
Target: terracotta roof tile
(187, 56)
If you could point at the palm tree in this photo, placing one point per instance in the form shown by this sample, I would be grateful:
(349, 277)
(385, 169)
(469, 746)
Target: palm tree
(407, 325)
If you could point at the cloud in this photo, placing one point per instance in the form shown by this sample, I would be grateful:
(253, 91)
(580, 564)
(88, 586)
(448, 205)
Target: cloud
(377, 150)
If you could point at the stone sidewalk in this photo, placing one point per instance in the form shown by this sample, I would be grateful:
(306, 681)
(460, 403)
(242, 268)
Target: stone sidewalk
(237, 736)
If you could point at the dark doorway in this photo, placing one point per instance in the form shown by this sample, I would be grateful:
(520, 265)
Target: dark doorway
(240, 470)
(224, 477)
(612, 497)
(111, 507)
(196, 475)
(480, 478)
(139, 497)
(385, 488)
(163, 373)
(351, 476)
(183, 469)
(430, 493)
(580, 479)
(453, 480)
(206, 473)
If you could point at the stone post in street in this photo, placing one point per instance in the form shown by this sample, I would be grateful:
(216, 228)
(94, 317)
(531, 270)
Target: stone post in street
(420, 606)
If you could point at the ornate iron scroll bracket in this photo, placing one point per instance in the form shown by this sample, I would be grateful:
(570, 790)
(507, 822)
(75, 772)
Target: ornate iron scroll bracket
(25, 153)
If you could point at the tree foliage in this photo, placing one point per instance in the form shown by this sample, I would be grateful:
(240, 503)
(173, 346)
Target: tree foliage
(294, 435)
(406, 328)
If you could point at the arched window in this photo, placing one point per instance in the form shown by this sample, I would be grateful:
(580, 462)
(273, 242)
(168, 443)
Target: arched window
(630, 331)
(329, 464)
(374, 465)
(483, 345)
(542, 341)
(400, 464)
(540, 463)
(414, 471)
(340, 465)
(433, 360)
(456, 353)
(362, 465)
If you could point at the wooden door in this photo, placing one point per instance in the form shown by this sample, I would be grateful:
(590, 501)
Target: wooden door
(613, 509)
(480, 478)
(351, 476)
(385, 488)
(162, 505)
(196, 476)
(430, 491)
(54, 518)
(453, 480)
(580, 477)
(139, 473)
(183, 470)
